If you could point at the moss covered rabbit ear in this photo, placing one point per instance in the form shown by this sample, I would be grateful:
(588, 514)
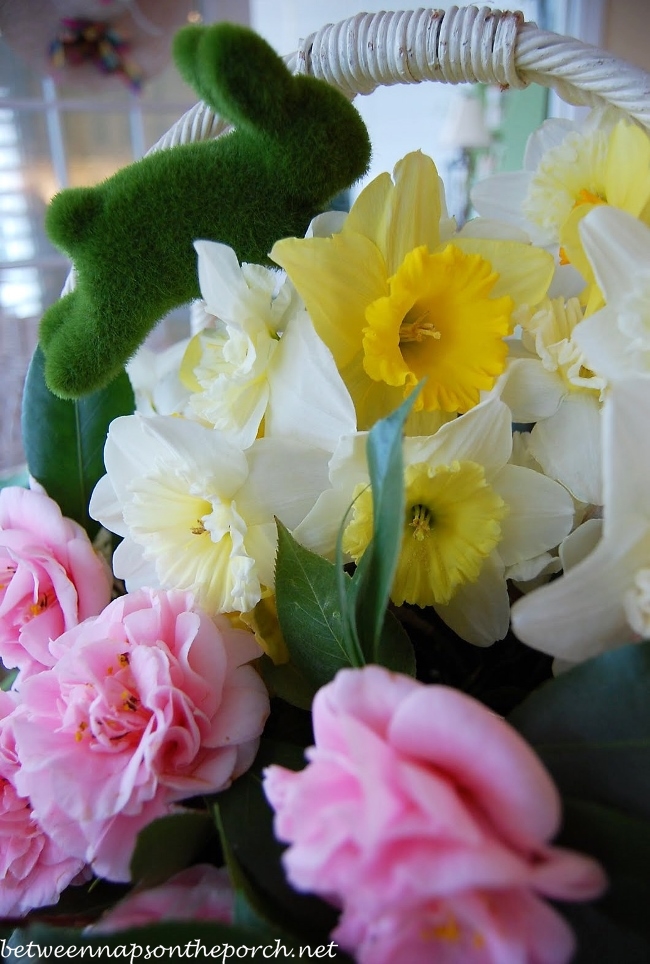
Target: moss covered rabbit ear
(236, 73)
(297, 143)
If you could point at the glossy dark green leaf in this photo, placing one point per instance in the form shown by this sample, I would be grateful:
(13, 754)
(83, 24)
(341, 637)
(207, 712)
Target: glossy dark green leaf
(591, 727)
(170, 844)
(395, 649)
(309, 611)
(246, 820)
(286, 681)
(622, 845)
(64, 440)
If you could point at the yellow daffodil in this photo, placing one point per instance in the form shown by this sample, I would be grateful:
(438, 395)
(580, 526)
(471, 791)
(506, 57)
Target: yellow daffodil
(397, 297)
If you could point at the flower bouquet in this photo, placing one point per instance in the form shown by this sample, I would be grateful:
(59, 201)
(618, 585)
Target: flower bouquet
(324, 628)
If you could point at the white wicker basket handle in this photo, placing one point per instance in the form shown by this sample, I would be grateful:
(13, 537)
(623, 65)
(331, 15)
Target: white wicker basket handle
(460, 45)
(465, 45)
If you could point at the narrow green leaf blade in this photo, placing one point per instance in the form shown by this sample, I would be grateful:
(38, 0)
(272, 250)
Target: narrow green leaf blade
(309, 611)
(385, 466)
(64, 440)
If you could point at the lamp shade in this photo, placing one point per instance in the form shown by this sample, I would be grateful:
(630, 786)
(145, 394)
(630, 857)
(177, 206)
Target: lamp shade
(465, 126)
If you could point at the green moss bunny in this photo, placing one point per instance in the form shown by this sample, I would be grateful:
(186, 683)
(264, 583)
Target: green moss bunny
(297, 142)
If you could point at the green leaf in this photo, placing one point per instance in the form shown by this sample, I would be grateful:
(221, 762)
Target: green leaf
(385, 467)
(395, 650)
(246, 820)
(309, 611)
(64, 440)
(170, 844)
(286, 681)
(622, 845)
(591, 727)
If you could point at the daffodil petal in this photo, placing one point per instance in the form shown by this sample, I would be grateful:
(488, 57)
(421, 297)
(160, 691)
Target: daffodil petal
(483, 435)
(579, 543)
(105, 505)
(618, 248)
(373, 400)
(500, 197)
(261, 545)
(480, 611)
(530, 391)
(525, 272)
(581, 614)
(627, 171)
(626, 444)
(494, 229)
(337, 278)
(568, 446)
(319, 529)
(369, 213)
(540, 513)
(220, 278)
(549, 134)
(309, 402)
(130, 564)
(606, 349)
(284, 480)
(415, 209)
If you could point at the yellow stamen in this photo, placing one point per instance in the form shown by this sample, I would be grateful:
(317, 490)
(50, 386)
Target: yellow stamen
(198, 529)
(123, 659)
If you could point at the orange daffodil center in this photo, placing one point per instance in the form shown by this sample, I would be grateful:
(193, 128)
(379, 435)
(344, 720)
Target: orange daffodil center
(398, 297)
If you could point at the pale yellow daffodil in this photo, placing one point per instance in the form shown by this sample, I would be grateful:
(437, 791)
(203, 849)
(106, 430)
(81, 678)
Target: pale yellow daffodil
(397, 297)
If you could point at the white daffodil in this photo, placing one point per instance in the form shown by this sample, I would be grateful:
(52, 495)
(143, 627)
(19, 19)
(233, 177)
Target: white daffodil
(241, 371)
(603, 600)
(155, 380)
(550, 384)
(616, 340)
(470, 516)
(196, 512)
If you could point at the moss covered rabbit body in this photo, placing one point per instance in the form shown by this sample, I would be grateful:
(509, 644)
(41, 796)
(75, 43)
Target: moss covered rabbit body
(297, 143)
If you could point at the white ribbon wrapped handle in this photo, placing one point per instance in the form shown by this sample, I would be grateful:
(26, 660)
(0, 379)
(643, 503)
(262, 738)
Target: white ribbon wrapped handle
(465, 45)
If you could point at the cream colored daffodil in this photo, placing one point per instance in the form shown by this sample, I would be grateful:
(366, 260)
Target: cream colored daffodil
(603, 600)
(196, 512)
(469, 517)
(397, 297)
(155, 379)
(615, 340)
(548, 382)
(242, 372)
(569, 169)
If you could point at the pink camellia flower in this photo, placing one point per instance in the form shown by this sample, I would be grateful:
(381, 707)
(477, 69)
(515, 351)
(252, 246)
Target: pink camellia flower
(50, 578)
(33, 869)
(427, 820)
(148, 703)
(200, 893)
